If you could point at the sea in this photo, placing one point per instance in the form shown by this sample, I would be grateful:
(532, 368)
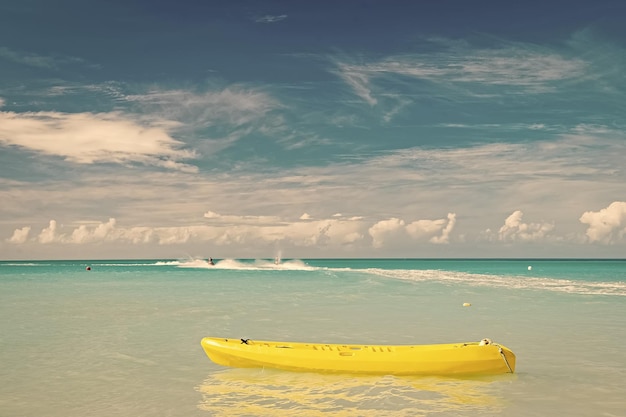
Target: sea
(122, 337)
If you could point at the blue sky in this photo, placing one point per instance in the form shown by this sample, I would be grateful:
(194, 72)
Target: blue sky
(247, 129)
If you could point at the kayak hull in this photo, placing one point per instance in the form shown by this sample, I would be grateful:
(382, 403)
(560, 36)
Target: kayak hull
(473, 358)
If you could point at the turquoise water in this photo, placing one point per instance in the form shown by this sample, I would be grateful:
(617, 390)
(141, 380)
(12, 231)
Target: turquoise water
(123, 339)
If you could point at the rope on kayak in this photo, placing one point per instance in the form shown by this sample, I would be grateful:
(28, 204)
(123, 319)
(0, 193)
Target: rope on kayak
(504, 357)
(244, 341)
(486, 342)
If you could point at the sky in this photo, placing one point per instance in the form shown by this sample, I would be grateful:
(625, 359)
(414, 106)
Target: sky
(146, 129)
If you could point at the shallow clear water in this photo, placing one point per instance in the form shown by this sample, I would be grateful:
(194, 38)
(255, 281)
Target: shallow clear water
(123, 339)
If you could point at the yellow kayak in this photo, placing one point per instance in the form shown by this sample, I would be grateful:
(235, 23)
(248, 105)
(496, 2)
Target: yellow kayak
(473, 358)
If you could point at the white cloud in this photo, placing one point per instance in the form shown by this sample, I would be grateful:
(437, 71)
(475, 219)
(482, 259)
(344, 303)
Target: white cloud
(607, 225)
(422, 229)
(436, 231)
(86, 138)
(100, 233)
(522, 174)
(303, 233)
(228, 230)
(211, 215)
(305, 216)
(145, 133)
(49, 234)
(312, 233)
(514, 229)
(384, 230)
(20, 235)
(445, 233)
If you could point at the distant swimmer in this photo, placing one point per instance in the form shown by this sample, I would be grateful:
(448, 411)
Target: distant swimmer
(211, 261)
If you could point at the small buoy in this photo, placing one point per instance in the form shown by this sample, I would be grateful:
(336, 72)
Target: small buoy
(88, 268)
(530, 267)
(466, 304)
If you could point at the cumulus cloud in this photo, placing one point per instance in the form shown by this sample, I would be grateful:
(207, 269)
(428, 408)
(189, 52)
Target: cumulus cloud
(433, 231)
(97, 232)
(87, 138)
(436, 231)
(514, 229)
(304, 232)
(224, 230)
(305, 216)
(49, 234)
(445, 233)
(100, 233)
(211, 215)
(607, 225)
(333, 232)
(385, 229)
(20, 235)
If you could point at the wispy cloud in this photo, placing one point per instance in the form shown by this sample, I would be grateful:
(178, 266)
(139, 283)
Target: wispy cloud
(35, 60)
(220, 219)
(270, 18)
(235, 106)
(221, 116)
(31, 60)
(508, 69)
(589, 152)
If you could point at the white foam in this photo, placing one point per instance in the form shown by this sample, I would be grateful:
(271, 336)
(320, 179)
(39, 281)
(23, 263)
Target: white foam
(256, 265)
(419, 275)
(513, 282)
